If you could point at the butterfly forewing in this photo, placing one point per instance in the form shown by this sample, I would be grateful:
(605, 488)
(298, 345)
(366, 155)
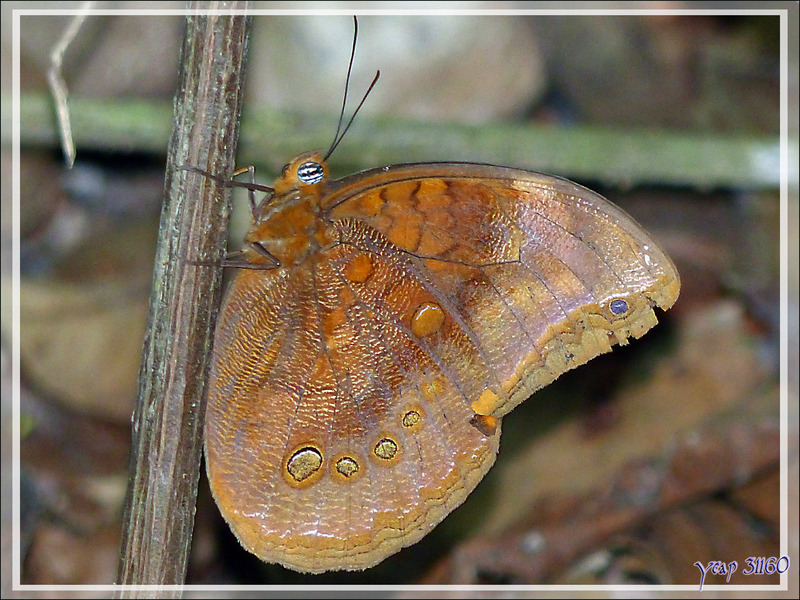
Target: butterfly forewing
(527, 264)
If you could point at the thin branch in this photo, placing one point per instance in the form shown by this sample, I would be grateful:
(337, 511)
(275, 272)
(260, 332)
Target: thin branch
(58, 86)
(167, 424)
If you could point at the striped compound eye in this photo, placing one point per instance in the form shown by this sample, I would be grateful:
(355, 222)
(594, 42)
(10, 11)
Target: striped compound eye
(310, 173)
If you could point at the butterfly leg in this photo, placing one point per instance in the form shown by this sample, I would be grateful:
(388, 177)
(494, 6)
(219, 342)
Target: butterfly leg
(251, 193)
(252, 186)
(236, 259)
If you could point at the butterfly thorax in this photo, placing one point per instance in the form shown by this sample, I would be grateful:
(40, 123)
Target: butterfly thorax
(291, 226)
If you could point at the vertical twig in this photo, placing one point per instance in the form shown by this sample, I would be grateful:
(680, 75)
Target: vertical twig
(167, 423)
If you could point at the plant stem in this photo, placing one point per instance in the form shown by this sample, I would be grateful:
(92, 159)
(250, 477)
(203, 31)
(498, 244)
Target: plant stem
(167, 422)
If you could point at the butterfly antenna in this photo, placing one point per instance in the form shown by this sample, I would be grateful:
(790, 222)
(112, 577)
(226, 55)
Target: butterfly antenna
(346, 84)
(338, 138)
(350, 122)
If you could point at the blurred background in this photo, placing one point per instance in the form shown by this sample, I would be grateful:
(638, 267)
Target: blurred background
(627, 470)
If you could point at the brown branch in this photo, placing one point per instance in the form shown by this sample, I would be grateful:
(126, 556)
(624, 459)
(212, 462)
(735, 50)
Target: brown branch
(167, 423)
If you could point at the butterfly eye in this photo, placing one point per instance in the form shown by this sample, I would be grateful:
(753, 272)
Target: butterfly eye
(310, 173)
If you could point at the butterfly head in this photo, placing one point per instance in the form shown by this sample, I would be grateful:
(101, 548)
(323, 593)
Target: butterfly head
(304, 173)
(290, 226)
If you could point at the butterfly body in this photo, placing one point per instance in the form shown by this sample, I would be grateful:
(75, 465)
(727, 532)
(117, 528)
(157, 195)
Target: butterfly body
(360, 376)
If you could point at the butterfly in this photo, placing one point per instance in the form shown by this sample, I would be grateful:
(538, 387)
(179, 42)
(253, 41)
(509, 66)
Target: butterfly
(380, 328)
(389, 320)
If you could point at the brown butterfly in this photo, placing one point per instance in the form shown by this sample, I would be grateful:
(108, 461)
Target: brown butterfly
(388, 321)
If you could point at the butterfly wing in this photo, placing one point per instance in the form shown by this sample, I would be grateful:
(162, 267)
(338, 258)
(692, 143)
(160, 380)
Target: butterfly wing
(539, 274)
(355, 397)
(335, 434)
